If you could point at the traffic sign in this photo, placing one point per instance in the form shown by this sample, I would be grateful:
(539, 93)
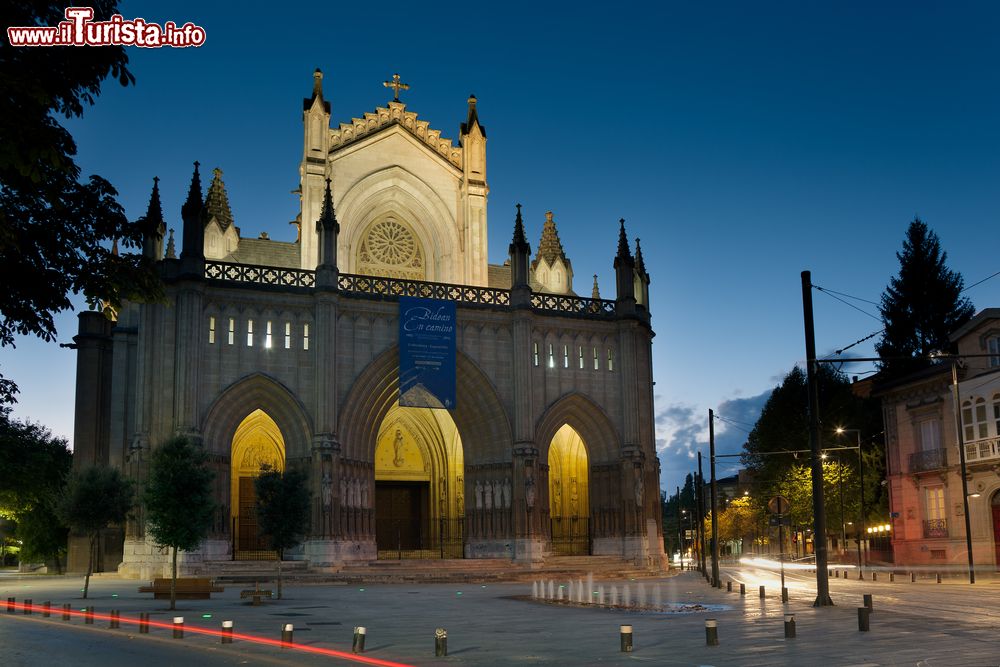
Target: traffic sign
(778, 505)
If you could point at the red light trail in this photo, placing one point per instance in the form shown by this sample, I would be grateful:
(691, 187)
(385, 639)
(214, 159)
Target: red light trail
(333, 653)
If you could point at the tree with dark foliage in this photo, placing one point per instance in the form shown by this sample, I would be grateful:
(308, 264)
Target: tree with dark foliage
(56, 228)
(282, 509)
(921, 306)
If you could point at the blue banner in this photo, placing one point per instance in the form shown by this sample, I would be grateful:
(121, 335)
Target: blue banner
(426, 353)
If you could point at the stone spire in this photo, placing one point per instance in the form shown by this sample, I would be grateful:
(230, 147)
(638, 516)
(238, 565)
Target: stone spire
(624, 270)
(171, 249)
(193, 216)
(217, 202)
(328, 229)
(596, 292)
(519, 252)
(640, 265)
(550, 247)
(152, 225)
(472, 119)
(317, 93)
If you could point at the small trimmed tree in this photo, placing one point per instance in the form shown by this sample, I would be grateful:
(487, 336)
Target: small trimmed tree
(178, 498)
(282, 509)
(95, 498)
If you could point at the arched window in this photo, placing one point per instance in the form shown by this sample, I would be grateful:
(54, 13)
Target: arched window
(390, 249)
(996, 414)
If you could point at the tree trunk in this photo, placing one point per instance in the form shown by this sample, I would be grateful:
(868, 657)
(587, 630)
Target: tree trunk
(90, 565)
(173, 581)
(59, 568)
(280, 558)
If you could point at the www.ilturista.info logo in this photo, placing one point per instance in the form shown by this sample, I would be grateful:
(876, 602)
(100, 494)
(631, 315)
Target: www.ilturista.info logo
(79, 29)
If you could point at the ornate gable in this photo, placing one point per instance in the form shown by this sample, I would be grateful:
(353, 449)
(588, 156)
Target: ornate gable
(395, 114)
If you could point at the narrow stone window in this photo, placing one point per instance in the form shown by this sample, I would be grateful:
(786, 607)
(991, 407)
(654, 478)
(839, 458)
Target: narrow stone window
(611, 360)
(211, 330)
(232, 330)
(249, 333)
(288, 335)
(581, 357)
(565, 356)
(267, 335)
(597, 360)
(552, 358)
(305, 336)
(534, 352)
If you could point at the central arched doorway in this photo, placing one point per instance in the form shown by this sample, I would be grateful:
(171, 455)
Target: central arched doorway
(257, 442)
(569, 493)
(419, 504)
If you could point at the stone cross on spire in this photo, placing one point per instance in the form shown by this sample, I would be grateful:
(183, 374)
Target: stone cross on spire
(396, 86)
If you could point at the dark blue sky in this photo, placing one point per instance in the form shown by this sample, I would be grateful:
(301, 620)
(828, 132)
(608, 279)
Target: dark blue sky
(743, 142)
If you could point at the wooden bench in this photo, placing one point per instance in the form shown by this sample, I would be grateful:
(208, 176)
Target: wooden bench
(256, 594)
(189, 588)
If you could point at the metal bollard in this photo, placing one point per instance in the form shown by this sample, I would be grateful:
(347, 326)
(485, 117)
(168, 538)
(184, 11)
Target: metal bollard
(625, 634)
(178, 627)
(27, 607)
(46, 609)
(761, 592)
(143, 622)
(114, 622)
(65, 612)
(863, 618)
(861, 575)
(729, 586)
(440, 642)
(10, 605)
(89, 618)
(286, 635)
(892, 577)
(227, 632)
(743, 589)
(789, 626)
(784, 594)
(913, 577)
(867, 597)
(939, 577)
(359, 640)
(711, 632)
(874, 576)
(836, 574)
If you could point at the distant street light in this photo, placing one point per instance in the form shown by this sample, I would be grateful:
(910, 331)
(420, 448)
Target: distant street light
(861, 491)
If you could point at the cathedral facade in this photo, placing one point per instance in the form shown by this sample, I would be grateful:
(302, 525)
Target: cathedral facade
(287, 354)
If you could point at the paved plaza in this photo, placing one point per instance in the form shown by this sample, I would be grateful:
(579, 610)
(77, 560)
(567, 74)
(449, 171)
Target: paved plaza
(919, 624)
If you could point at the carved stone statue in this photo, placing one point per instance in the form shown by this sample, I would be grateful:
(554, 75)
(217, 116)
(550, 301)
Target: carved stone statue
(488, 494)
(574, 499)
(506, 493)
(327, 491)
(344, 500)
(638, 488)
(479, 495)
(460, 495)
(364, 494)
(529, 487)
(497, 494)
(355, 492)
(397, 449)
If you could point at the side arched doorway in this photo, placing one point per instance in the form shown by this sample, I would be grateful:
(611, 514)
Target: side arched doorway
(256, 443)
(569, 493)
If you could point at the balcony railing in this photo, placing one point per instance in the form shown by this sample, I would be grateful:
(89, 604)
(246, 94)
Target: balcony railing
(393, 288)
(935, 528)
(929, 459)
(982, 450)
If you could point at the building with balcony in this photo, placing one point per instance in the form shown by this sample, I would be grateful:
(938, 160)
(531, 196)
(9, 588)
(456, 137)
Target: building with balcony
(922, 426)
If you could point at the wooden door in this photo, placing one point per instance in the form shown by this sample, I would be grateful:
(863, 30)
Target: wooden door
(400, 515)
(996, 530)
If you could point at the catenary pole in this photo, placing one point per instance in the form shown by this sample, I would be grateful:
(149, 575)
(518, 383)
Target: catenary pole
(715, 508)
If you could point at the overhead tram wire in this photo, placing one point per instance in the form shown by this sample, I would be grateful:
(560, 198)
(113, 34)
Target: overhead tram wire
(980, 282)
(846, 303)
(849, 296)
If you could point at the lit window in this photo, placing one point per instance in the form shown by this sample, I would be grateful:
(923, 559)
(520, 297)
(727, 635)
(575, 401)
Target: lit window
(552, 358)
(597, 360)
(267, 335)
(611, 360)
(288, 335)
(581, 357)
(211, 329)
(249, 333)
(534, 352)
(305, 336)
(935, 503)
(565, 356)
(232, 330)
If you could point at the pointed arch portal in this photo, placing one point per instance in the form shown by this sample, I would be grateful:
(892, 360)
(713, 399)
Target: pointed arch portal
(569, 493)
(256, 443)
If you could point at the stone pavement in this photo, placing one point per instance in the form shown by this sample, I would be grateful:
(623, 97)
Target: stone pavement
(488, 625)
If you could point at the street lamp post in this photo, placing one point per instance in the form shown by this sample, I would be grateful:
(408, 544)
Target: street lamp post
(861, 493)
(961, 458)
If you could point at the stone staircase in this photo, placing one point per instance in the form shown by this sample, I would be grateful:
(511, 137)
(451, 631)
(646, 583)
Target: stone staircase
(477, 570)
